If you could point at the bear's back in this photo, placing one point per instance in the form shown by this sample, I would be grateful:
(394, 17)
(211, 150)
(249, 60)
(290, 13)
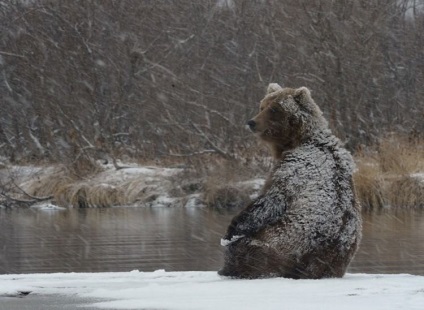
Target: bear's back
(320, 207)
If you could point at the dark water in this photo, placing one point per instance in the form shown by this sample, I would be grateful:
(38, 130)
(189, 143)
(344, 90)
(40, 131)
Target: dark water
(174, 239)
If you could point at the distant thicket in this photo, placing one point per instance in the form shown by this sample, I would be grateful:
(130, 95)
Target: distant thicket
(149, 79)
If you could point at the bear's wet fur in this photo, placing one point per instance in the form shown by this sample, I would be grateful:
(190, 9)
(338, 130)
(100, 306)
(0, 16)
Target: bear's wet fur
(306, 224)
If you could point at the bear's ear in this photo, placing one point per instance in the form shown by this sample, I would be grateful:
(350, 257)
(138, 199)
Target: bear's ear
(304, 99)
(272, 88)
(302, 94)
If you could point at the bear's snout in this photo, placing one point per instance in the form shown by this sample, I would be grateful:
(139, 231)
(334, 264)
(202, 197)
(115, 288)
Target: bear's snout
(252, 124)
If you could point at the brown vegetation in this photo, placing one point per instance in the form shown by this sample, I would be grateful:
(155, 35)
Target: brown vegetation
(388, 176)
(223, 187)
(392, 174)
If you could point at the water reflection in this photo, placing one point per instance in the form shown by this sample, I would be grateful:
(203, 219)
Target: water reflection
(175, 239)
(393, 242)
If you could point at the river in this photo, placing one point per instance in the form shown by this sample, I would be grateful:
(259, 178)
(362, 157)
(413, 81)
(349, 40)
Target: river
(174, 239)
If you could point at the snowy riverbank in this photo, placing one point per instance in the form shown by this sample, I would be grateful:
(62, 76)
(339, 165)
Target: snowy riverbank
(218, 186)
(206, 290)
(130, 185)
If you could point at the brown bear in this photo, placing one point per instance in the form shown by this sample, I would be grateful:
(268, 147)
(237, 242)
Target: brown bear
(307, 221)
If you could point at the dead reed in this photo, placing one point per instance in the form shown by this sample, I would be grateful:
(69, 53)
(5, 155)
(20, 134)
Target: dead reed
(391, 175)
(222, 188)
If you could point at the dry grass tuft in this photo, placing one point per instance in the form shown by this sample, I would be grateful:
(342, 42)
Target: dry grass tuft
(48, 183)
(86, 195)
(407, 192)
(73, 194)
(221, 189)
(104, 195)
(399, 155)
(391, 175)
(225, 197)
(83, 166)
(140, 190)
(69, 190)
(370, 185)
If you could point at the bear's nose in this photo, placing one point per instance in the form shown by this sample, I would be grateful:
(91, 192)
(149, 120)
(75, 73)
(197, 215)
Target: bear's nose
(251, 124)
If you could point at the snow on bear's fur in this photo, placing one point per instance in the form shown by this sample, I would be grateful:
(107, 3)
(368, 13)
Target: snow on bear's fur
(307, 221)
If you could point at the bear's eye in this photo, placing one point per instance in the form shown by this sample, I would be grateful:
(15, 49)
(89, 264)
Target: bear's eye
(273, 110)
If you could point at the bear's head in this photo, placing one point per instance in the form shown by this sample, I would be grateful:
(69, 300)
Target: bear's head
(286, 118)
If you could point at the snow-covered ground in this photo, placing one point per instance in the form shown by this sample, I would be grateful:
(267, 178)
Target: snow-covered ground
(207, 290)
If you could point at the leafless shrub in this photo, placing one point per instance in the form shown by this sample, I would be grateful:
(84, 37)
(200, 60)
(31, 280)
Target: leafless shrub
(151, 79)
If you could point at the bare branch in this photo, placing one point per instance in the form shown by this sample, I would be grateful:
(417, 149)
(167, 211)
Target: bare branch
(193, 154)
(11, 54)
(212, 144)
